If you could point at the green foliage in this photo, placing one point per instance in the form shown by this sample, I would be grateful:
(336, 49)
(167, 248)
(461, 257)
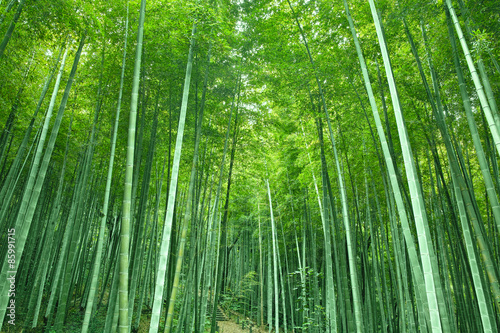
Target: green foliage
(305, 300)
(239, 299)
(278, 106)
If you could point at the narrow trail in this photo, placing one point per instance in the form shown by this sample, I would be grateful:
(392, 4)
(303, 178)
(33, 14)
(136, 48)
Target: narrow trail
(232, 327)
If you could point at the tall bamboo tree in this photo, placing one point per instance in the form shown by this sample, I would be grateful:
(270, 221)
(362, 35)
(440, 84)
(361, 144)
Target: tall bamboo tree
(127, 193)
(167, 227)
(424, 237)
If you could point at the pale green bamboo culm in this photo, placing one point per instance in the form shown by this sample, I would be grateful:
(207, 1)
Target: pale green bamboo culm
(275, 263)
(410, 242)
(423, 232)
(29, 201)
(475, 78)
(100, 241)
(490, 189)
(358, 313)
(467, 195)
(331, 306)
(167, 226)
(127, 193)
(213, 215)
(10, 180)
(188, 212)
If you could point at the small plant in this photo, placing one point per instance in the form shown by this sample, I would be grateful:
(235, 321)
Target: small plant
(239, 300)
(310, 314)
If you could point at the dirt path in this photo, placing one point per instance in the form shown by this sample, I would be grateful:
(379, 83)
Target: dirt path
(232, 327)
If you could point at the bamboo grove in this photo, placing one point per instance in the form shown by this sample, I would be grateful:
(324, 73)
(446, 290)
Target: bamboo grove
(300, 166)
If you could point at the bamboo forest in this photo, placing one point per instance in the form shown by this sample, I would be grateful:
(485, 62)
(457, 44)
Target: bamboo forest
(229, 166)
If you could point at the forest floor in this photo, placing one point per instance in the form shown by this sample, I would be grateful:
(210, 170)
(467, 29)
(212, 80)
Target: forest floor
(232, 327)
(75, 317)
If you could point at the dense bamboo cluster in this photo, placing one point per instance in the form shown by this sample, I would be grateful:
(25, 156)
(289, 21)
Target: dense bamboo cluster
(218, 192)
